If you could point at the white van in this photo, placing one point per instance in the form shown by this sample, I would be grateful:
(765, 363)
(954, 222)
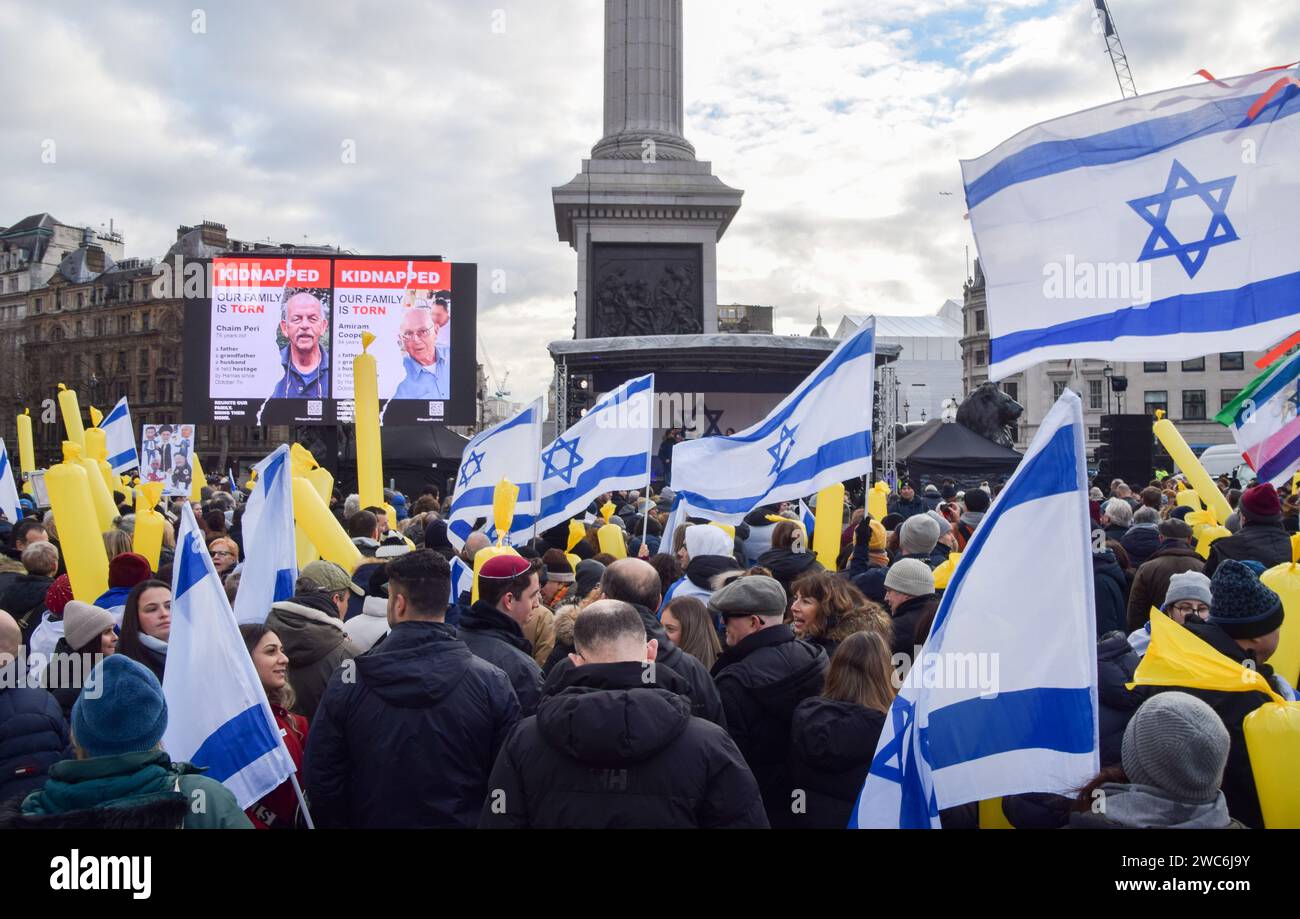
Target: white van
(1226, 459)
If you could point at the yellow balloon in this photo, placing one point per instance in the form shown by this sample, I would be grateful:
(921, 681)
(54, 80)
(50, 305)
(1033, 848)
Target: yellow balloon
(1189, 498)
(71, 412)
(26, 450)
(197, 478)
(1273, 742)
(1284, 580)
(82, 546)
(504, 498)
(97, 450)
(100, 497)
(828, 522)
(1182, 454)
(992, 817)
(331, 541)
(878, 501)
(944, 572)
(612, 541)
(370, 461)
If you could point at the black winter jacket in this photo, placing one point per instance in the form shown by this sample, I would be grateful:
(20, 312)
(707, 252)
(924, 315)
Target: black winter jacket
(409, 742)
(1116, 661)
(1232, 707)
(25, 599)
(831, 747)
(762, 680)
(498, 639)
(1263, 540)
(907, 509)
(33, 737)
(1141, 542)
(787, 567)
(697, 686)
(1110, 593)
(906, 618)
(872, 581)
(608, 750)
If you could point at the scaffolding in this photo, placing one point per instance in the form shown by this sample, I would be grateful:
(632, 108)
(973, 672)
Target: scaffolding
(887, 425)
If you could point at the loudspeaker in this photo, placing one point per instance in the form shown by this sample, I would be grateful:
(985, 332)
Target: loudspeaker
(1126, 451)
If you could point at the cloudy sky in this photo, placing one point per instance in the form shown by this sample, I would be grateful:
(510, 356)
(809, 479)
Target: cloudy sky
(842, 121)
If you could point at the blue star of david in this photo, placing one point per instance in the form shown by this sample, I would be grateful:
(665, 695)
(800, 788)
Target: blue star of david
(1154, 209)
(465, 473)
(898, 762)
(713, 417)
(780, 451)
(549, 468)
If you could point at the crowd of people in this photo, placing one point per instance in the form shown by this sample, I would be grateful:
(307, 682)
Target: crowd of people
(727, 678)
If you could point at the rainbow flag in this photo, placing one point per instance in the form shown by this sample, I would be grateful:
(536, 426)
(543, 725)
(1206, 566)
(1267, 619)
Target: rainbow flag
(1265, 420)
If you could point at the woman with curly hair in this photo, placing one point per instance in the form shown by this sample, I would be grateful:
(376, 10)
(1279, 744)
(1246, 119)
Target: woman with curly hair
(828, 609)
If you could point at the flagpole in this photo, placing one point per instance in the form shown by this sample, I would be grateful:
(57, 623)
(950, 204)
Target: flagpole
(302, 802)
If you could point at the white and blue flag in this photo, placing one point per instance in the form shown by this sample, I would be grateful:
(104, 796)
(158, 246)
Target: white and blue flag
(1002, 699)
(1145, 229)
(218, 715)
(8, 489)
(270, 567)
(462, 578)
(120, 438)
(808, 519)
(607, 450)
(507, 451)
(819, 435)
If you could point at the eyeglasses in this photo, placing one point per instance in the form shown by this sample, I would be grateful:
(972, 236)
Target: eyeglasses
(1192, 609)
(223, 552)
(421, 334)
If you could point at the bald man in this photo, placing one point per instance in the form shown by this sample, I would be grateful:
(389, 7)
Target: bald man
(35, 734)
(303, 321)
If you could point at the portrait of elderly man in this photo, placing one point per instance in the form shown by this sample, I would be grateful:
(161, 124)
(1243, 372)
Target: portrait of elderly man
(426, 358)
(303, 321)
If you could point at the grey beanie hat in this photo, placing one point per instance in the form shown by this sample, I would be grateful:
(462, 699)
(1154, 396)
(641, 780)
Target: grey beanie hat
(1176, 742)
(753, 595)
(918, 534)
(1188, 585)
(83, 622)
(910, 576)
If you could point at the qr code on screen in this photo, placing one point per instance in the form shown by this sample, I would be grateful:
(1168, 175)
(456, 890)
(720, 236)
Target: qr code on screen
(315, 408)
(435, 409)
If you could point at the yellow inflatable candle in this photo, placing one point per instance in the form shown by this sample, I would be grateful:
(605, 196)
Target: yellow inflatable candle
(325, 532)
(828, 521)
(148, 537)
(878, 501)
(70, 409)
(1182, 454)
(82, 546)
(370, 466)
(1284, 580)
(26, 448)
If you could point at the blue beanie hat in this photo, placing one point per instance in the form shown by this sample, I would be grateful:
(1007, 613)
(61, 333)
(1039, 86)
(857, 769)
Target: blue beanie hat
(121, 709)
(1243, 606)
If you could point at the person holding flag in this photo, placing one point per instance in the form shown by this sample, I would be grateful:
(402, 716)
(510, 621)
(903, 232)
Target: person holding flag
(9, 504)
(270, 565)
(120, 778)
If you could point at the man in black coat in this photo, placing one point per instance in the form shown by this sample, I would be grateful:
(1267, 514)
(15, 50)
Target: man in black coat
(509, 591)
(1244, 625)
(910, 596)
(1262, 538)
(635, 582)
(406, 734)
(907, 503)
(762, 676)
(614, 745)
(33, 733)
(24, 598)
(1110, 592)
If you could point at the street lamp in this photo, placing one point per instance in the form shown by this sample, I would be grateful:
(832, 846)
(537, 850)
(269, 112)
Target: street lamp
(1108, 373)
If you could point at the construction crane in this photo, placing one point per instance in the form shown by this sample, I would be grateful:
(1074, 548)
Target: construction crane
(499, 382)
(1106, 24)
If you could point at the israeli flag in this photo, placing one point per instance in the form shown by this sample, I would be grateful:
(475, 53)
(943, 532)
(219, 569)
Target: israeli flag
(462, 578)
(507, 451)
(8, 490)
(120, 437)
(1145, 229)
(807, 518)
(819, 435)
(1002, 699)
(608, 450)
(270, 567)
(218, 713)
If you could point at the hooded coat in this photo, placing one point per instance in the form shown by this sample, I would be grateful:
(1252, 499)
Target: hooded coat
(1141, 542)
(762, 680)
(498, 639)
(315, 643)
(411, 741)
(33, 737)
(1116, 661)
(1151, 582)
(787, 566)
(608, 750)
(1110, 593)
(831, 747)
(1143, 807)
